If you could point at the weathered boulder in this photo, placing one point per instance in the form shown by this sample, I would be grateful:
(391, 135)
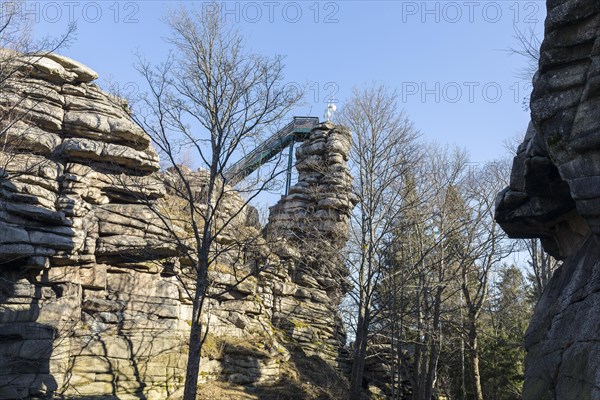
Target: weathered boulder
(554, 194)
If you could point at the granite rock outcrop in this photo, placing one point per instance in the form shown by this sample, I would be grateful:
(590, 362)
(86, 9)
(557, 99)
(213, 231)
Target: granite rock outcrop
(309, 228)
(554, 195)
(90, 300)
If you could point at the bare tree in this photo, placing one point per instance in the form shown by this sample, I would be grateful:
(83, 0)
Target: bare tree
(440, 234)
(18, 52)
(18, 47)
(422, 267)
(435, 282)
(384, 150)
(529, 48)
(214, 97)
(484, 248)
(541, 267)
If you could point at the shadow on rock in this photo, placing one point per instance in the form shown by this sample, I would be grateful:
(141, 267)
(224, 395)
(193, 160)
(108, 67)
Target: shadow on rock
(25, 345)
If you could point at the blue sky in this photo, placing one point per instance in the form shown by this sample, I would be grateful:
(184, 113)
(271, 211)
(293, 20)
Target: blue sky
(447, 59)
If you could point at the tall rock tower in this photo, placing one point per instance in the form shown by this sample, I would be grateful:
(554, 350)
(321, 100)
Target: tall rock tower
(309, 229)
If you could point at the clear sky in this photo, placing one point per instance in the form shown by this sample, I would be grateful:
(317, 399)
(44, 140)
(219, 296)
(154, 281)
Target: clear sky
(447, 59)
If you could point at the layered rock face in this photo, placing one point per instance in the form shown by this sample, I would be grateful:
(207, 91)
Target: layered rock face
(309, 228)
(83, 309)
(90, 303)
(554, 194)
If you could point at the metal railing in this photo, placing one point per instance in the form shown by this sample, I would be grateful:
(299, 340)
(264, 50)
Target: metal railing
(299, 128)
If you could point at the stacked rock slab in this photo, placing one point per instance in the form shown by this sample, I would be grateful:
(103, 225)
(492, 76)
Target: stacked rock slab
(554, 194)
(308, 229)
(242, 347)
(90, 306)
(86, 308)
(83, 309)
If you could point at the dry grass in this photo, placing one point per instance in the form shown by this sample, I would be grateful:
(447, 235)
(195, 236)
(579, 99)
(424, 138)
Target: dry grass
(215, 347)
(223, 391)
(302, 378)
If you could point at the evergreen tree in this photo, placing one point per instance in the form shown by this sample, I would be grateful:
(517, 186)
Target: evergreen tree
(502, 343)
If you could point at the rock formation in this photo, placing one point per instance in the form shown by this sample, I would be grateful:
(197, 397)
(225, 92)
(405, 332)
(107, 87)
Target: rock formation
(554, 195)
(90, 304)
(309, 228)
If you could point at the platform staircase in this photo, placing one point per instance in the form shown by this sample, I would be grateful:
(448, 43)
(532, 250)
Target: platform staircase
(296, 131)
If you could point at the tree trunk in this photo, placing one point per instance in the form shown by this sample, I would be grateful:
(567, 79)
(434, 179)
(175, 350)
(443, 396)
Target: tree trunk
(193, 361)
(463, 380)
(435, 345)
(393, 349)
(416, 374)
(360, 353)
(474, 357)
(196, 335)
(400, 361)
